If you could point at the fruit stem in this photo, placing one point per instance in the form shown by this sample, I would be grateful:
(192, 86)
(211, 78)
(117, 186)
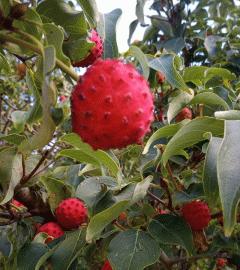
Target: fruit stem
(27, 45)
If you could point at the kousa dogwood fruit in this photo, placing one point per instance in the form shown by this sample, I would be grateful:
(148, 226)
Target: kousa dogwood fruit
(112, 106)
(197, 215)
(95, 52)
(71, 213)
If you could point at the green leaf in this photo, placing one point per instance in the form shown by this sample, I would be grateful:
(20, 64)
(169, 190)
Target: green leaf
(228, 115)
(108, 24)
(209, 98)
(177, 103)
(98, 157)
(101, 220)
(140, 11)
(4, 65)
(89, 8)
(19, 119)
(141, 58)
(35, 112)
(63, 14)
(13, 138)
(133, 250)
(55, 38)
(210, 179)
(228, 174)
(57, 191)
(68, 250)
(167, 64)
(166, 131)
(192, 133)
(47, 128)
(132, 28)
(29, 255)
(141, 189)
(11, 172)
(49, 59)
(172, 230)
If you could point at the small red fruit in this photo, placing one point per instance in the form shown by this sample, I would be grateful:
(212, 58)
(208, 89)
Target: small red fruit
(185, 113)
(160, 77)
(71, 213)
(122, 216)
(162, 212)
(107, 266)
(95, 53)
(17, 203)
(221, 262)
(111, 105)
(62, 98)
(197, 214)
(52, 229)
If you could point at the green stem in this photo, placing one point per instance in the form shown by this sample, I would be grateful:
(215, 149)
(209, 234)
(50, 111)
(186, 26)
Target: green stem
(36, 49)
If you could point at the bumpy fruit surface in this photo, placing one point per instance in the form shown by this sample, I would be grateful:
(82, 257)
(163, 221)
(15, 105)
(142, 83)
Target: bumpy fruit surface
(71, 213)
(107, 266)
(95, 53)
(160, 77)
(52, 229)
(197, 214)
(112, 105)
(185, 113)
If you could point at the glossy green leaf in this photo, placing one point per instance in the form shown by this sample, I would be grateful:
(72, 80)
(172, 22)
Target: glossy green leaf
(98, 157)
(192, 133)
(68, 250)
(133, 250)
(140, 11)
(210, 178)
(167, 64)
(13, 138)
(19, 119)
(172, 230)
(29, 255)
(89, 8)
(61, 13)
(108, 24)
(101, 220)
(166, 131)
(209, 98)
(11, 172)
(141, 189)
(56, 190)
(55, 37)
(228, 174)
(228, 115)
(177, 103)
(141, 58)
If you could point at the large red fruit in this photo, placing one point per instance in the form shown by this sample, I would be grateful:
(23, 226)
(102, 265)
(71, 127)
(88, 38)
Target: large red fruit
(52, 229)
(112, 105)
(95, 53)
(197, 214)
(107, 266)
(185, 113)
(71, 213)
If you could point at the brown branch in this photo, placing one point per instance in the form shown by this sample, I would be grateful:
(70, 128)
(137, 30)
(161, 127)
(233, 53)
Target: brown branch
(32, 173)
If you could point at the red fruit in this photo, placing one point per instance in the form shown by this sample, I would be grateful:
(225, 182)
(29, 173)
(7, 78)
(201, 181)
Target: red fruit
(17, 203)
(52, 229)
(185, 113)
(221, 262)
(162, 212)
(62, 98)
(112, 105)
(122, 216)
(95, 53)
(160, 77)
(107, 266)
(71, 213)
(197, 214)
